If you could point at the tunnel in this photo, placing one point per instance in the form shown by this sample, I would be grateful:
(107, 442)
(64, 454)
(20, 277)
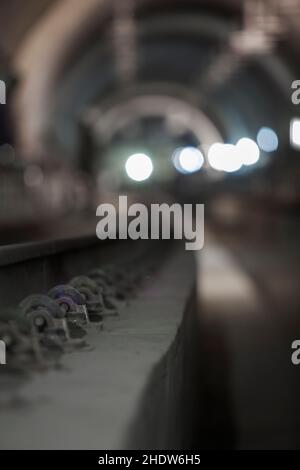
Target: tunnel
(149, 214)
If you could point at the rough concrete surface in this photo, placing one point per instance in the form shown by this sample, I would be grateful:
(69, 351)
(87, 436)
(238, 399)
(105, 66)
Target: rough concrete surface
(90, 403)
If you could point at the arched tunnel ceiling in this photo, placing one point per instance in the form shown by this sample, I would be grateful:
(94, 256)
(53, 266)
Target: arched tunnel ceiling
(17, 18)
(62, 33)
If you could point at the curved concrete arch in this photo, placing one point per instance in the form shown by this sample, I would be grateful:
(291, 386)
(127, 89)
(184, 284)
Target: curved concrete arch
(43, 55)
(45, 51)
(159, 105)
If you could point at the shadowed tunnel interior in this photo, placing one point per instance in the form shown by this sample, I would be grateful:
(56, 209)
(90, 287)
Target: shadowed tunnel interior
(166, 102)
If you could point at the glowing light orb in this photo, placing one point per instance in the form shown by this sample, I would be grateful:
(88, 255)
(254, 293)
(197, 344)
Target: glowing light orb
(188, 160)
(224, 157)
(248, 151)
(139, 167)
(267, 139)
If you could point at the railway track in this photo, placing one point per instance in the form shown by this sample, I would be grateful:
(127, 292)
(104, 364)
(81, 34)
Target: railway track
(107, 341)
(150, 369)
(54, 293)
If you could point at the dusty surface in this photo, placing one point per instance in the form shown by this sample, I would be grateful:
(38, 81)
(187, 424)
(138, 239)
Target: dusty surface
(91, 403)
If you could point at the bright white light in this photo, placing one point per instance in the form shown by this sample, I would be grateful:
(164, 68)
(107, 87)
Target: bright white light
(267, 139)
(215, 156)
(139, 167)
(248, 151)
(188, 159)
(295, 132)
(224, 157)
(191, 159)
